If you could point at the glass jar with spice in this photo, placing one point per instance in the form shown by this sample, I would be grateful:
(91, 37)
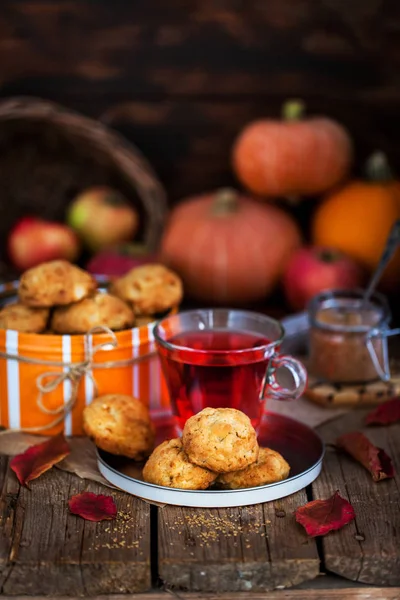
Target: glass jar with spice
(348, 337)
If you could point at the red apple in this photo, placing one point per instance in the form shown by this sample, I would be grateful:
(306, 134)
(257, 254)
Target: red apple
(102, 217)
(33, 241)
(313, 270)
(115, 262)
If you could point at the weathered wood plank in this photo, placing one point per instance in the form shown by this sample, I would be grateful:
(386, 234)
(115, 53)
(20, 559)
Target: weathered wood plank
(9, 490)
(363, 593)
(197, 71)
(201, 47)
(56, 553)
(116, 557)
(294, 556)
(238, 549)
(367, 550)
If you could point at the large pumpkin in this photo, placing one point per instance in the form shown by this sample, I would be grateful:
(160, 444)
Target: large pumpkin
(292, 157)
(228, 248)
(357, 218)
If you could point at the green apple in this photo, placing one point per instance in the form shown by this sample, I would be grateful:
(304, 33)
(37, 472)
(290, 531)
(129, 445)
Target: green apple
(102, 218)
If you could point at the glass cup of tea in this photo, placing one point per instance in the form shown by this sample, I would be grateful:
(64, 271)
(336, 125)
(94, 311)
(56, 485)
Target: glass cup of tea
(225, 358)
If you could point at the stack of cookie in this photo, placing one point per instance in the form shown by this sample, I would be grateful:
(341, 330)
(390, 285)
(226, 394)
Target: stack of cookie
(58, 297)
(218, 446)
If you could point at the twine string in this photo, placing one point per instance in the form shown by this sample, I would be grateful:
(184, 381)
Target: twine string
(49, 381)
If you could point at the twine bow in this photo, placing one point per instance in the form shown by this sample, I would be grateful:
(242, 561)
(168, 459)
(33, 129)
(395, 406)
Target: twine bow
(50, 380)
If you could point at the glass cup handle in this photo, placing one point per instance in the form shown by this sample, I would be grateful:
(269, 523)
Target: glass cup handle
(271, 388)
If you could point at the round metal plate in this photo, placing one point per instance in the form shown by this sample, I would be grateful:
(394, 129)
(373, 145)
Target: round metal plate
(298, 444)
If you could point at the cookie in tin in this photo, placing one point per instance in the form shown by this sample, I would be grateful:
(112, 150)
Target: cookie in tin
(55, 283)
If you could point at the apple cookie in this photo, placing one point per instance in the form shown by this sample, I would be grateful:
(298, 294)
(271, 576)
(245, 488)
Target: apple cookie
(55, 283)
(220, 439)
(170, 466)
(120, 425)
(268, 468)
(23, 318)
(100, 309)
(150, 288)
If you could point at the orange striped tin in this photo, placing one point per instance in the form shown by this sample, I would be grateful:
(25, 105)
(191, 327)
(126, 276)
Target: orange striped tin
(139, 374)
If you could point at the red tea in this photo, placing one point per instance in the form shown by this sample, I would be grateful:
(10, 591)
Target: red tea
(209, 369)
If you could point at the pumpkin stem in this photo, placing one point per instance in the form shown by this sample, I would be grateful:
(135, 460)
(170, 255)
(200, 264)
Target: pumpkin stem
(293, 110)
(377, 168)
(225, 201)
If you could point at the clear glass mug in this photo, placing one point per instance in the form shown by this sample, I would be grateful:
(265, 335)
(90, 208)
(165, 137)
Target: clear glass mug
(225, 358)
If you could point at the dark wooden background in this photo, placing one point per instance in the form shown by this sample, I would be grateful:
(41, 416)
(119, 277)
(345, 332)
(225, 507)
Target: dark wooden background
(181, 77)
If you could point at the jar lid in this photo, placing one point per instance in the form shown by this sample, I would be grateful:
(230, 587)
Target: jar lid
(346, 311)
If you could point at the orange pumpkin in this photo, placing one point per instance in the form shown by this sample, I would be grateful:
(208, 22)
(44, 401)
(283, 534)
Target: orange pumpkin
(357, 218)
(292, 157)
(228, 248)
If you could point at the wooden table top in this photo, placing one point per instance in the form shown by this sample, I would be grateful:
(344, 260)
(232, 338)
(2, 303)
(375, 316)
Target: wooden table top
(156, 553)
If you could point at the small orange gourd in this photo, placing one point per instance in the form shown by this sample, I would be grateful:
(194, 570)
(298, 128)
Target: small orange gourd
(228, 248)
(357, 218)
(294, 156)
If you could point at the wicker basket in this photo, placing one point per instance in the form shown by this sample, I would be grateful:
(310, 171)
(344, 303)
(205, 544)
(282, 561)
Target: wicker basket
(48, 154)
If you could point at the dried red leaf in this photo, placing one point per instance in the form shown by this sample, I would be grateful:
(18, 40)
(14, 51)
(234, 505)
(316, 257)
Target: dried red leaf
(385, 414)
(374, 459)
(39, 458)
(93, 507)
(319, 517)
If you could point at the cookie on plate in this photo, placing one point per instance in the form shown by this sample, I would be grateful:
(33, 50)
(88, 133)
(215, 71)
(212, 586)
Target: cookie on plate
(150, 288)
(120, 425)
(268, 468)
(169, 465)
(99, 309)
(23, 318)
(220, 439)
(55, 283)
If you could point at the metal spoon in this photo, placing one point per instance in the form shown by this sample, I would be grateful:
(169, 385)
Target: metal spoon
(391, 245)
